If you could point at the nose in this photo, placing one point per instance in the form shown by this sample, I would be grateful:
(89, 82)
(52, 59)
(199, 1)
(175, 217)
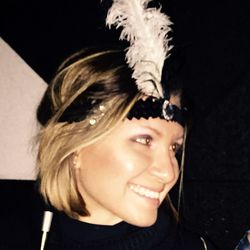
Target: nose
(164, 168)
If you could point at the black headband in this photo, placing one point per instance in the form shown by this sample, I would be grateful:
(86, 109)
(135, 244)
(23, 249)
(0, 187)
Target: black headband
(151, 107)
(162, 108)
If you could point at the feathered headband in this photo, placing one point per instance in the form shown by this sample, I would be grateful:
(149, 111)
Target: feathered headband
(146, 29)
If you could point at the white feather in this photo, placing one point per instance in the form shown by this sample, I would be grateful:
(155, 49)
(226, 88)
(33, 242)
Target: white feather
(147, 31)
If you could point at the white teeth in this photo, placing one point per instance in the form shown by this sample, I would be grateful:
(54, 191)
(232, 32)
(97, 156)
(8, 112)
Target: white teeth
(144, 192)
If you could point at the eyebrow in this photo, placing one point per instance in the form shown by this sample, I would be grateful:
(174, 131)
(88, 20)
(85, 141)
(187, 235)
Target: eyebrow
(156, 131)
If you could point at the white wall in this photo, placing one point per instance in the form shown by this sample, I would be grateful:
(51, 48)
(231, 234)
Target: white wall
(20, 92)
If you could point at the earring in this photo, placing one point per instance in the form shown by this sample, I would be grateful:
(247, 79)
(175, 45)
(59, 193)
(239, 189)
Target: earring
(75, 161)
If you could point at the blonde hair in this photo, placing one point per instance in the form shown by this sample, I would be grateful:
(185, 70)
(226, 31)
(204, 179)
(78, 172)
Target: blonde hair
(101, 77)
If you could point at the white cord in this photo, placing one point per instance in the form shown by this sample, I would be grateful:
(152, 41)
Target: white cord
(204, 243)
(47, 218)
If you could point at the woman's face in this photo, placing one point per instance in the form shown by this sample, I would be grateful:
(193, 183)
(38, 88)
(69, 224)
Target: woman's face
(126, 175)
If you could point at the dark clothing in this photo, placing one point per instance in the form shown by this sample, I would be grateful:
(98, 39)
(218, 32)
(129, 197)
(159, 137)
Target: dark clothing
(164, 234)
(21, 230)
(69, 234)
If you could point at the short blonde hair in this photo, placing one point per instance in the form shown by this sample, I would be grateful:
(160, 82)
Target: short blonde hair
(101, 78)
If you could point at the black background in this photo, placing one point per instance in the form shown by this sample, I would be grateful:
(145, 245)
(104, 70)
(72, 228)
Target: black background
(214, 38)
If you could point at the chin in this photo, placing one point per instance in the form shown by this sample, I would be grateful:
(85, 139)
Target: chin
(143, 221)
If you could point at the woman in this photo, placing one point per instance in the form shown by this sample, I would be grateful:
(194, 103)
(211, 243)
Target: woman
(108, 145)
(107, 158)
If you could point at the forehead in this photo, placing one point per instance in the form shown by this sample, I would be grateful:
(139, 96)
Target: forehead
(158, 125)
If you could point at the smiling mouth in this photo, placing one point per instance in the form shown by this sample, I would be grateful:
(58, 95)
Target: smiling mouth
(142, 191)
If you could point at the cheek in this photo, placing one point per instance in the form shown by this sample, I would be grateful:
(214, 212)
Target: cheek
(125, 165)
(132, 162)
(114, 166)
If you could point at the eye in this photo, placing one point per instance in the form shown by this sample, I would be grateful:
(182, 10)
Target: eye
(145, 140)
(176, 148)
